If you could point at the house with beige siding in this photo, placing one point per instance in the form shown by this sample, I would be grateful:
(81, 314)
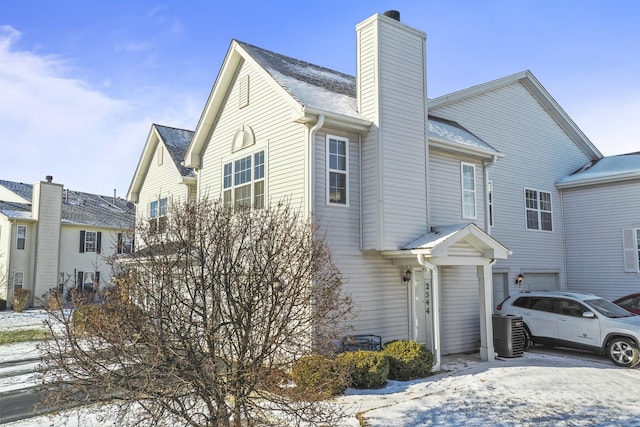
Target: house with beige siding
(435, 209)
(52, 238)
(160, 176)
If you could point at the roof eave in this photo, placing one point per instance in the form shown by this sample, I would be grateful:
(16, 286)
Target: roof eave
(457, 148)
(599, 180)
(310, 115)
(540, 93)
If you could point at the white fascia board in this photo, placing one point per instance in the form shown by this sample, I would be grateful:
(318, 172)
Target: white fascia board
(449, 146)
(599, 180)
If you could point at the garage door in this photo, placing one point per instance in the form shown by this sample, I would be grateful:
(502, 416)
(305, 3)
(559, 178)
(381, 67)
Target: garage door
(540, 281)
(460, 310)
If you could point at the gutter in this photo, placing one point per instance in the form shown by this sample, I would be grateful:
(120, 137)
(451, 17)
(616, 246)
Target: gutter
(485, 172)
(310, 169)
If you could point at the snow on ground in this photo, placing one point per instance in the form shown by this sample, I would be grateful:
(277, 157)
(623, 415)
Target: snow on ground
(542, 388)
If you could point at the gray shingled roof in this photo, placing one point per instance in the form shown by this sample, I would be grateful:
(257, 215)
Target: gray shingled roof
(623, 166)
(22, 190)
(450, 131)
(77, 208)
(309, 84)
(329, 90)
(177, 141)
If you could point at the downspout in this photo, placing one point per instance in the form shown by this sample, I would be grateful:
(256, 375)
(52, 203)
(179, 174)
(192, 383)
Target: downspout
(435, 304)
(310, 173)
(485, 172)
(361, 215)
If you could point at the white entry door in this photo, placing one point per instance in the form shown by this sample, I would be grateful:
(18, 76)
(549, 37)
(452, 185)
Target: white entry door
(421, 326)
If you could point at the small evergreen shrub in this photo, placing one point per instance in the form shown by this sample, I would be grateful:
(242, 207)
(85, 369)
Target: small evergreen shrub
(369, 369)
(3, 304)
(21, 299)
(319, 376)
(408, 360)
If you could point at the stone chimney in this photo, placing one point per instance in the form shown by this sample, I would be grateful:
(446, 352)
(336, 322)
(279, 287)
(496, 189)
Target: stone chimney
(392, 93)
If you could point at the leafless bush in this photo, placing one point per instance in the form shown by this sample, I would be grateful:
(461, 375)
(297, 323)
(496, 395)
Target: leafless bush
(205, 322)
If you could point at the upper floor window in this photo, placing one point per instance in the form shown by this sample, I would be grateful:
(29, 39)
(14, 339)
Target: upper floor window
(243, 181)
(158, 215)
(21, 237)
(468, 180)
(538, 210)
(90, 241)
(337, 170)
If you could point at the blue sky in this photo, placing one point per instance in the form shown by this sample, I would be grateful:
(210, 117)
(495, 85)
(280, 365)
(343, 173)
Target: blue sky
(81, 82)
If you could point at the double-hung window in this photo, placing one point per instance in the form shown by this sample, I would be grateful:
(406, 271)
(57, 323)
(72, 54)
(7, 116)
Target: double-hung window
(337, 170)
(158, 215)
(18, 280)
(21, 237)
(538, 210)
(90, 241)
(468, 180)
(243, 181)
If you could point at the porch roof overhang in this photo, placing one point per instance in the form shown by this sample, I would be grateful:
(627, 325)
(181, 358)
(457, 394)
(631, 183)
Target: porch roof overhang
(436, 246)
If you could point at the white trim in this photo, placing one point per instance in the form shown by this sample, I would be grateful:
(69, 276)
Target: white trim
(344, 171)
(251, 182)
(539, 210)
(18, 227)
(463, 191)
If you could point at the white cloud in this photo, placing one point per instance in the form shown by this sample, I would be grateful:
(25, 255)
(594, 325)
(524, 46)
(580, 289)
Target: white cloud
(54, 124)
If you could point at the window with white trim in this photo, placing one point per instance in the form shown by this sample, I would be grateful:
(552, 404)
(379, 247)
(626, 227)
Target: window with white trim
(468, 181)
(538, 211)
(243, 181)
(337, 170)
(21, 237)
(18, 280)
(158, 215)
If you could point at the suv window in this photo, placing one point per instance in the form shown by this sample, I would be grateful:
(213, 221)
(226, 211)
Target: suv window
(535, 303)
(572, 308)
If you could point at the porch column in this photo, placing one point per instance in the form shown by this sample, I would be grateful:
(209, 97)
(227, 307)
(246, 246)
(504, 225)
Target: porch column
(487, 351)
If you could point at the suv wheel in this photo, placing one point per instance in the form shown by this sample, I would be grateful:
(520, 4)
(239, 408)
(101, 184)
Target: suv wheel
(528, 342)
(623, 352)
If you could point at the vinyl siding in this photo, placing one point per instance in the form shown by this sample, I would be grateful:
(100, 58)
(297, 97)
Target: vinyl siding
(445, 190)
(595, 219)
(22, 260)
(395, 203)
(47, 207)
(269, 115)
(161, 181)
(72, 261)
(460, 310)
(537, 154)
(372, 281)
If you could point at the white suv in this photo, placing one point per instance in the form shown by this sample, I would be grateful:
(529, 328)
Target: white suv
(583, 321)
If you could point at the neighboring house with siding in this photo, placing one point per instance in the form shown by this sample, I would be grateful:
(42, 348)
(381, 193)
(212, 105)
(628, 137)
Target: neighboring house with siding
(433, 208)
(53, 238)
(602, 226)
(160, 176)
(541, 145)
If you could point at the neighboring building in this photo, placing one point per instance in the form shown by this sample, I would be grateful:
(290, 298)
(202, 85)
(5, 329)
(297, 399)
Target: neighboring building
(602, 226)
(161, 171)
(434, 209)
(54, 238)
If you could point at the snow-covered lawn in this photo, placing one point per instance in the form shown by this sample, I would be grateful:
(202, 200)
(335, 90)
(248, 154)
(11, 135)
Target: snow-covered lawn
(543, 388)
